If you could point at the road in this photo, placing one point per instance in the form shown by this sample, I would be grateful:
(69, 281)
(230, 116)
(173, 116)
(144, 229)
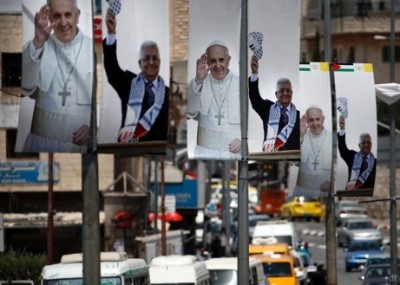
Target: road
(314, 234)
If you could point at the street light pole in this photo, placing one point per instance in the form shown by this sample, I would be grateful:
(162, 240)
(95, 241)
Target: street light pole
(393, 203)
(330, 223)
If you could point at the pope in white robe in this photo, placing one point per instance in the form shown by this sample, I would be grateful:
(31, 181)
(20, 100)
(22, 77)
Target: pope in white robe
(214, 101)
(58, 74)
(316, 156)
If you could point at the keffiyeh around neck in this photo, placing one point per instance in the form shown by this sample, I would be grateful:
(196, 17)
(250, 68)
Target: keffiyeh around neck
(355, 173)
(273, 125)
(136, 99)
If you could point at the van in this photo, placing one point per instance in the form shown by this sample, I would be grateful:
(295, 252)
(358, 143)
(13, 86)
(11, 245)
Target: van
(224, 270)
(178, 269)
(275, 231)
(115, 268)
(278, 268)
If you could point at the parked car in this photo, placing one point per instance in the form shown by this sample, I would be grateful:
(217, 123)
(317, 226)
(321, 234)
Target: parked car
(377, 274)
(358, 230)
(346, 209)
(359, 251)
(302, 207)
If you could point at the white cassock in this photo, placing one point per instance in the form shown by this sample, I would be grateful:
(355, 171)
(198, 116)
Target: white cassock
(315, 164)
(59, 78)
(216, 106)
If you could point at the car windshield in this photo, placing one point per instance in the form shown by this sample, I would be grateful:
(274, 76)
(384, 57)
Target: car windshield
(223, 277)
(364, 246)
(255, 220)
(378, 272)
(360, 225)
(277, 269)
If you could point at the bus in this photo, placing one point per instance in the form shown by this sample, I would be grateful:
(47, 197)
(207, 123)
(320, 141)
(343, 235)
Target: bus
(115, 267)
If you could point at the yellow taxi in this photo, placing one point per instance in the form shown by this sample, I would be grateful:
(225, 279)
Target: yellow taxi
(277, 248)
(302, 207)
(278, 268)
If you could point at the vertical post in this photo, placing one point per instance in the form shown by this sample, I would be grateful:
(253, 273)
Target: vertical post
(330, 223)
(243, 206)
(90, 188)
(226, 217)
(50, 223)
(393, 202)
(163, 225)
(156, 195)
(330, 219)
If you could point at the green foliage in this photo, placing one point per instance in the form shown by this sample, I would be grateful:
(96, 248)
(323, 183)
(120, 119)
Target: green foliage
(20, 265)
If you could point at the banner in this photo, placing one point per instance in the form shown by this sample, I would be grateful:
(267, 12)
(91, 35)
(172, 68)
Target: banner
(357, 129)
(279, 22)
(57, 78)
(126, 122)
(311, 176)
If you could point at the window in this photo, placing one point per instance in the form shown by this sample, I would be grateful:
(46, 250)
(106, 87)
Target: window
(11, 69)
(11, 139)
(386, 54)
(352, 55)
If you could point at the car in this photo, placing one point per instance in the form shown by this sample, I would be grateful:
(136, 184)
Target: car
(274, 248)
(346, 209)
(276, 231)
(359, 251)
(358, 230)
(377, 274)
(278, 268)
(302, 207)
(224, 270)
(380, 259)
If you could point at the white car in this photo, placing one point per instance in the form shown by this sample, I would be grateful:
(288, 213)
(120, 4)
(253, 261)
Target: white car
(358, 230)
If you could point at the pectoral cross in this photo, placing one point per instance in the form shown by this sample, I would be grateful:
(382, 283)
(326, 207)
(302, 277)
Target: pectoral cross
(315, 163)
(219, 116)
(64, 94)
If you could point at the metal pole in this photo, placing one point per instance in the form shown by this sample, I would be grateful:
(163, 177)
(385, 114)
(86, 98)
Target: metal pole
(227, 203)
(330, 219)
(50, 223)
(243, 219)
(393, 203)
(330, 223)
(163, 226)
(90, 188)
(156, 193)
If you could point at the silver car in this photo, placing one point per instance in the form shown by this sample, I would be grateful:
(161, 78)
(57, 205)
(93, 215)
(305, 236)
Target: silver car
(358, 230)
(346, 209)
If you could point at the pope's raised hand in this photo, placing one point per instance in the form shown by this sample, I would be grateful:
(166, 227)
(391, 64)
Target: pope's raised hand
(202, 69)
(43, 26)
(303, 125)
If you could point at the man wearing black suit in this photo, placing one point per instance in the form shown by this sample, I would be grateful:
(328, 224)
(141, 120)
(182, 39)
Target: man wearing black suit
(362, 164)
(281, 120)
(144, 96)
